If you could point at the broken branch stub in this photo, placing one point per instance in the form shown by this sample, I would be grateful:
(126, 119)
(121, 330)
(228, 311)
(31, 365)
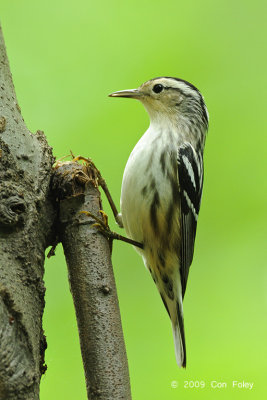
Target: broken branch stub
(92, 284)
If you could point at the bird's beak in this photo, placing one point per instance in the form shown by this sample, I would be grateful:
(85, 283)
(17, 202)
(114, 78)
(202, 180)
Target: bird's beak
(131, 93)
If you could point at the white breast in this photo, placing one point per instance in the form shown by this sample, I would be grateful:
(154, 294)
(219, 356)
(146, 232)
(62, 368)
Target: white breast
(143, 166)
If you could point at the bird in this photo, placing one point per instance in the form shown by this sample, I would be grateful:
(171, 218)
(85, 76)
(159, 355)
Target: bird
(162, 188)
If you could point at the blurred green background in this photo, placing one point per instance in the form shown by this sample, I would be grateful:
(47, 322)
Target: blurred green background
(66, 56)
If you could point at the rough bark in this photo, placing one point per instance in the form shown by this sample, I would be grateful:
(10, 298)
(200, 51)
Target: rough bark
(92, 284)
(26, 217)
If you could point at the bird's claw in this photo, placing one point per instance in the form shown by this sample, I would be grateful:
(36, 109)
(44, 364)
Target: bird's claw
(81, 158)
(105, 217)
(87, 161)
(102, 226)
(104, 229)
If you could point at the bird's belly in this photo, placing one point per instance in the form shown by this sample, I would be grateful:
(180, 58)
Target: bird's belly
(135, 197)
(148, 209)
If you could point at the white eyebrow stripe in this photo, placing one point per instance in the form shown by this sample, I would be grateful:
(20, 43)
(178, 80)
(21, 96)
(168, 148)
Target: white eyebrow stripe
(186, 89)
(180, 85)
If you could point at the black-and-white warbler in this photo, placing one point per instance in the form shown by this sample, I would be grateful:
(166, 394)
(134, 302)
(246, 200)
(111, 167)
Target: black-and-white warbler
(162, 188)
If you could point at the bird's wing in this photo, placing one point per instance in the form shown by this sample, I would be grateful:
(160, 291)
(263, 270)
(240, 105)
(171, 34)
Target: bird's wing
(190, 175)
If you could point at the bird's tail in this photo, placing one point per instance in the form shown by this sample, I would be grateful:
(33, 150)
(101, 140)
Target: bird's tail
(179, 336)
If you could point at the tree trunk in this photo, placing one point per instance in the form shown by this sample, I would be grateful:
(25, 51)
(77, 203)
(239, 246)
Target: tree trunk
(26, 217)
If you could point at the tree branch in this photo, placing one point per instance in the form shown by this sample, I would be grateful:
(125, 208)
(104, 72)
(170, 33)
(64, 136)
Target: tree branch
(92, 284)
(26, 217)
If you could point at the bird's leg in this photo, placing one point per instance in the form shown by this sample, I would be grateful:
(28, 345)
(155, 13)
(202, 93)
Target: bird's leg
(102, 183)
(113, 207)
(100, 224)
(106, 231)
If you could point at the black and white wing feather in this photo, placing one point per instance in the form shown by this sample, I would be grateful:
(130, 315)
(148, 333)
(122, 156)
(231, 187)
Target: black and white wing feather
(190, 174)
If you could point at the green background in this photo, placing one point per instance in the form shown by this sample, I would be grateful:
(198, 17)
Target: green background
(66, 56)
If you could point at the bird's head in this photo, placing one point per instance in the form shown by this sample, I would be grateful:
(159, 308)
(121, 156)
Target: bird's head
(167, 97)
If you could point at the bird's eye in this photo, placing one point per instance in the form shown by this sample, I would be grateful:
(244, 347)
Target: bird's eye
(157, 88)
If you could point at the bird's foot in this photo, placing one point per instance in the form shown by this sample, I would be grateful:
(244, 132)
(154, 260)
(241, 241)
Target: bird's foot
(87, 161)
(90, 164)
(101, 224)
(96, 177)
(103, 227)
(59, 162)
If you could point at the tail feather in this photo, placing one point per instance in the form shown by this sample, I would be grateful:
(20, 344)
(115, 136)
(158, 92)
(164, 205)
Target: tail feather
(179, 338)
(170, 291)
